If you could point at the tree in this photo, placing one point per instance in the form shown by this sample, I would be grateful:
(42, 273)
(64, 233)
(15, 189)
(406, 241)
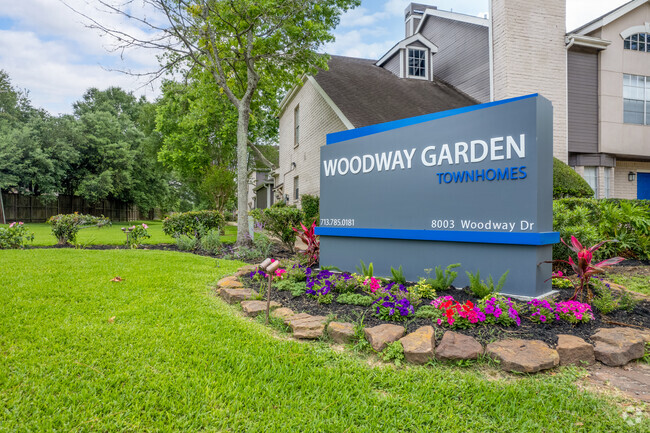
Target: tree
(243, 45)
(118, 150)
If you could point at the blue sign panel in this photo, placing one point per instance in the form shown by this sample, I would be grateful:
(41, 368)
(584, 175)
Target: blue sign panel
(470, 186)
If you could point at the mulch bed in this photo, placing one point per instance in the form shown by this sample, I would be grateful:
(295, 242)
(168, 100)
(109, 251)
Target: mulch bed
(638, 317)
(277, 251)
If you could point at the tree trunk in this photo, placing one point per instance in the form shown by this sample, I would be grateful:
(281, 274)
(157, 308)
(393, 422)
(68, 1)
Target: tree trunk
(242, 173)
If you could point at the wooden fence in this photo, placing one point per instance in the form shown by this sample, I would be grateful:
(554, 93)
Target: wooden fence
(33, 209)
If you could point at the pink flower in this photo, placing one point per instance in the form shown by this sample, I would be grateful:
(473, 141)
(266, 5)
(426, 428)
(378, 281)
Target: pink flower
(439, 322)
(12, 225)
(145, 226)
(20, 223)
(280, 273)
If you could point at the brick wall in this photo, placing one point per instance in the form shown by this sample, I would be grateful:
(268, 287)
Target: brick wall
(623, 188)
(317, 119)
(529, 56)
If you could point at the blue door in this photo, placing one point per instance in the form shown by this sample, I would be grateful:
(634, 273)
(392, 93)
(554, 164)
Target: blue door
(643, 186)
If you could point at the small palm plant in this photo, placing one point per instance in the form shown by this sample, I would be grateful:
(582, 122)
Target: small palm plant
(584, 268)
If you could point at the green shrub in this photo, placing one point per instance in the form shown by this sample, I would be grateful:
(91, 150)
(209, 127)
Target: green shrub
(66, 226)
(135, 235)
(424, 289)
(568, 183)
(311, 207)
(194, 224)
(279, 220)
(256, 252)
(186, 243)
(14, 236)
(211, 242)
(296, 288)
(354, 299)
(481, 288)
(444, 279)
(591, 221)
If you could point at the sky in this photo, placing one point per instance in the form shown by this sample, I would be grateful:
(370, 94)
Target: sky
(48, 49)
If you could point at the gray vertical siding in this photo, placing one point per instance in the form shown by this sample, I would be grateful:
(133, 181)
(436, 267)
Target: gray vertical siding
(393, 64)
(463, 58)
(582, 70)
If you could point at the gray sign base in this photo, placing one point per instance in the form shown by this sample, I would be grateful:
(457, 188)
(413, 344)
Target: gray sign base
(526, 277)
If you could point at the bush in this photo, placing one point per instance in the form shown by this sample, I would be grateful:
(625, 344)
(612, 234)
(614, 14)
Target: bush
(311, 207)
(591, 220)
(193, 224)
(186, 243)
(135, 235)
(568, 183)
(66, 226)
(280, 220)
(211, 242)
(14, 236)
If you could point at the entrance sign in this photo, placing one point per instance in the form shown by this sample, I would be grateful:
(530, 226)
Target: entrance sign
(472, 186)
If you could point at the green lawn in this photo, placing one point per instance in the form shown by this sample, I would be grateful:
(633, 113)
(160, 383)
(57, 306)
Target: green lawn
(175, 358)
(112, 235)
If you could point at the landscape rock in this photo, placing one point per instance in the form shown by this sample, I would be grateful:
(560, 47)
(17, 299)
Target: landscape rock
(282, 313)
(253, 308)
(229, 283)
(524, 356)
(419, 345)
(574, 350)
(307, 327)
(342, 333)
(233, 296)
(245, 271)
(456, 347)
(382, 335)
(618, 346)
(299, 316)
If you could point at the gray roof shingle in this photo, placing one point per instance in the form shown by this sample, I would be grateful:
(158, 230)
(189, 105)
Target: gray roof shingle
(368, 94)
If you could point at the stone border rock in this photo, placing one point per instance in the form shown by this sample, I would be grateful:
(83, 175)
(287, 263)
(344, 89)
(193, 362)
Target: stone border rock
(614, 346)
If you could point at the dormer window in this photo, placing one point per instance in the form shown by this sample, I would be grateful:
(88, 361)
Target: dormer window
(417, 62)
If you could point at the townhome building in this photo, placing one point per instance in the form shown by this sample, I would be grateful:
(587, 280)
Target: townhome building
(597, 77)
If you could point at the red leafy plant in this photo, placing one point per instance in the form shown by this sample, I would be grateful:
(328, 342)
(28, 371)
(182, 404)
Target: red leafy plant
(584, 269)
(313, 244)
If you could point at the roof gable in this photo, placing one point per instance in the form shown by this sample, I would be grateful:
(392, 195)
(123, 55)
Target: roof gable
(609, 17)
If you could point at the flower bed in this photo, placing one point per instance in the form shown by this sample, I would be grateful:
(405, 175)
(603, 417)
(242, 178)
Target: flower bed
(316, 292)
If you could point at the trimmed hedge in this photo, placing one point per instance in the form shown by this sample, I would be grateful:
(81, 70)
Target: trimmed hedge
(194, 224)
(568, 183)
(311, 207)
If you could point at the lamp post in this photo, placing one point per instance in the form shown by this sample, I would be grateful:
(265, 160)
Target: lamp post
(269, 266)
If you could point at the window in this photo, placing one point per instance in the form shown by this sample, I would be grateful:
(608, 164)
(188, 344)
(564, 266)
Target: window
(636, 99)
(591, 176)
(417, 62)
(296, 124)
(638, 42)
(296, 192)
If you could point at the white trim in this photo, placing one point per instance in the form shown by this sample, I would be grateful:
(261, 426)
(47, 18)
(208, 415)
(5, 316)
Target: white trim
(612, 16)
(491, 53)
(426, 65)
(401, 63)
(586, 41)
(635, 30)
(470, 19)
(331, 103)
(404, 43)
(290, 94)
